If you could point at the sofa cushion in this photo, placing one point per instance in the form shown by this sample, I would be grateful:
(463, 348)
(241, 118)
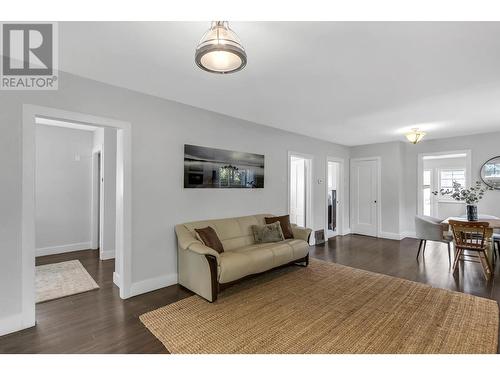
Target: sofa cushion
(256, 258)
(283, 253)
(300, 248)
(237, 264)
(284, 221)
(209, 237)
(267, 233)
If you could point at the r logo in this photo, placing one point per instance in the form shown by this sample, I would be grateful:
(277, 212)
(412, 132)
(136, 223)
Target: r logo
(28, 49)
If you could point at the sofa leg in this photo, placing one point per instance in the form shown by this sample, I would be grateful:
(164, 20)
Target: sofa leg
(303, 262)
(212, 264)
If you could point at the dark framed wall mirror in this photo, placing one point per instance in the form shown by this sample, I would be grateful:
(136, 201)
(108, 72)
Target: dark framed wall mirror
(490, 172)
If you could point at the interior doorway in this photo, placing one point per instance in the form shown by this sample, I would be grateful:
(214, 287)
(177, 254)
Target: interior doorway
(300, 189)
(75, 210)
(123, 203)
(333, 184)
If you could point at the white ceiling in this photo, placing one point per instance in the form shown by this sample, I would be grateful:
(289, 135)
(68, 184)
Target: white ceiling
(347, 82)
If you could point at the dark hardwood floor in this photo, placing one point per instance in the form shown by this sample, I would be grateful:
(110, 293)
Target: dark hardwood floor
(100, 322)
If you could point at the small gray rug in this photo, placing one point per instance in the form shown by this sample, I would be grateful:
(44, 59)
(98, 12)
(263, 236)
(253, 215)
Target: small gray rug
(63, 279)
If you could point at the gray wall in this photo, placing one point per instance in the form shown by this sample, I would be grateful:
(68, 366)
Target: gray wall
(63, 186)
(160, 128)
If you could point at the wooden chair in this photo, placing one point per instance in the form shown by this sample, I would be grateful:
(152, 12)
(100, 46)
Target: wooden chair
(472, 237)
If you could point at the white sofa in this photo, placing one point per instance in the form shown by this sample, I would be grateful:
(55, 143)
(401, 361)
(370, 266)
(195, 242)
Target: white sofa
(205, 271)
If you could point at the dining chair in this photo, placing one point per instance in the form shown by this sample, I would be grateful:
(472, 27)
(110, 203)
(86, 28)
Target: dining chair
(472, 237)
(496, 236)
(429, 228)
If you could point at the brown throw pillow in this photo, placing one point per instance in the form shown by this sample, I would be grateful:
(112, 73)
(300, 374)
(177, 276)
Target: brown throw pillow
(286, 227)
(209, 237)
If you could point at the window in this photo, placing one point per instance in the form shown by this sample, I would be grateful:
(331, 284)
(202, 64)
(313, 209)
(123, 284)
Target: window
(446, 179)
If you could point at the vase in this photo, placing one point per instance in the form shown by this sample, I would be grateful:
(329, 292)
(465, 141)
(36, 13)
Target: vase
(472, 212)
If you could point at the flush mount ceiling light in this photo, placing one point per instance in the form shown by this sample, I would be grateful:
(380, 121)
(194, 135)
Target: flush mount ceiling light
(415, 135)
(220, 50)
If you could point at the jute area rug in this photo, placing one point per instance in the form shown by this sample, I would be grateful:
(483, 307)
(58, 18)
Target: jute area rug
(328, 308)
(63, 279)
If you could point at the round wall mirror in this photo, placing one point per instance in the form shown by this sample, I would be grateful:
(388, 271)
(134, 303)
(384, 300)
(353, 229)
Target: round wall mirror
(490, 173)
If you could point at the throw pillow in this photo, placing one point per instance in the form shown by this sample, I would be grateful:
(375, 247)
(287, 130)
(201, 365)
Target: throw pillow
(267, 233)
(284, 221)
(209, 237)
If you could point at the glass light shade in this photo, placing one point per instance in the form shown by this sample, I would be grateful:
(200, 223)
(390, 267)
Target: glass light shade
(220, 50)
(415, 136)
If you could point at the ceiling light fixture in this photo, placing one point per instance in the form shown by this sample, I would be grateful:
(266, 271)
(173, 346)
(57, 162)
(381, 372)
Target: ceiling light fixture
(415, 135)
(220, 50)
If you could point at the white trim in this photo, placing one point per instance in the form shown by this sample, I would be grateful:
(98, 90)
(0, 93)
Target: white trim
(378, 159)
(28, 219)
(116, 279)
(97, 191)
(59, 249)
(390, 236)
(309, 188)
(123, 198)
(340, 196)
(409, 234)
(65, 124)
(107, 254)
(148, 285)
(420, 172)
(13, 323)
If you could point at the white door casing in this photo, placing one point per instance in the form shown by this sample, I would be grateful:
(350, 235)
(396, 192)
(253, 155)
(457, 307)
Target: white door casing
(306, 191)
(298, 192)
(123, 267)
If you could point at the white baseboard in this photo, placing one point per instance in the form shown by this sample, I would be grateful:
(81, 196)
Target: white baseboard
(13, 323)
(408, 235)
(107, 254)
(116, 279)
(390, 235)
(62, 248)
(397, 236)
(148, 285)
(346, 231)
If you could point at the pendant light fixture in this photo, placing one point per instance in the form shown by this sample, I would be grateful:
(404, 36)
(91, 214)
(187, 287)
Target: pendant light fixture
(220, 50)
(415, 135)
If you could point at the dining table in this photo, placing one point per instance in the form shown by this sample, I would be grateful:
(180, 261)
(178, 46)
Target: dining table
(494, 223)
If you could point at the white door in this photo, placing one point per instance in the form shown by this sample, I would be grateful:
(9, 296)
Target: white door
(364, 192)
(298, 191)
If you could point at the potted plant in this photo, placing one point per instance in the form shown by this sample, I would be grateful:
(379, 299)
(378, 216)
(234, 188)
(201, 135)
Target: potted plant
(471, 196)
